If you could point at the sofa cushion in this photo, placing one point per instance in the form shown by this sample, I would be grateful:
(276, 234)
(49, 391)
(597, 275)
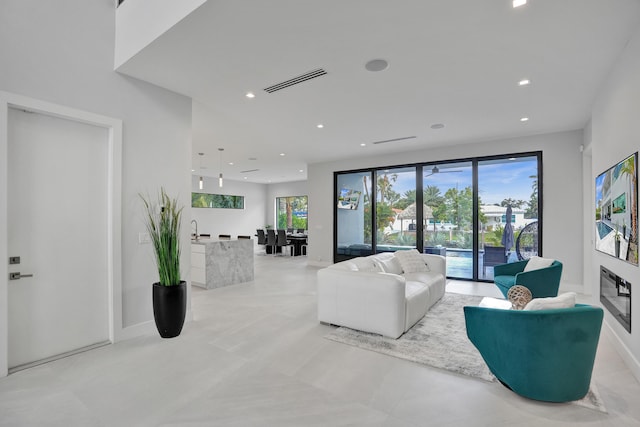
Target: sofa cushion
(388, 263)
(566, 300)
(536, 263)
(427, 278)
(411, 261)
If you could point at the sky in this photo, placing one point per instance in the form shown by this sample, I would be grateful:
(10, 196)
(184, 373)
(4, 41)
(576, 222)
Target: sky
(496, 181)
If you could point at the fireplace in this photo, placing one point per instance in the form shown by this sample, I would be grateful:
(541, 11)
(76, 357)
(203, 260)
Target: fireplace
(615, 295)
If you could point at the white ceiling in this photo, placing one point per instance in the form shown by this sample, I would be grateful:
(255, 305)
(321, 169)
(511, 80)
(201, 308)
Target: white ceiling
(451, 62)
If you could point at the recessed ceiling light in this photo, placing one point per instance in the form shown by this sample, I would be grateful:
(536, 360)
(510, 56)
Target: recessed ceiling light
(282, 154)
(437, 126)
(363, 144)
(301, 170)
(253, 158)
(245, 177)
(320, 126)
(524, 119)
(193, 170)
(230, 163)
(250, 95)
(518, 3)
(512, 158)
(524, 82)
(377, 65)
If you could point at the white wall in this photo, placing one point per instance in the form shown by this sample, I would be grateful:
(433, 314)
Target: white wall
(63, 52)
(562, 193)
(231, 221)
(615, 135)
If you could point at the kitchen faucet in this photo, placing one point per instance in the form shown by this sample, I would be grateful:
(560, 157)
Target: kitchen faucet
(196, 223)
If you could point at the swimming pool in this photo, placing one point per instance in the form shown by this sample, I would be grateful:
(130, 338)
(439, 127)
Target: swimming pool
(603, 229)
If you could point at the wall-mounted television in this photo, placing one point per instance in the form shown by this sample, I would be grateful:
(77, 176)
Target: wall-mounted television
(616, 218)
(348, 199)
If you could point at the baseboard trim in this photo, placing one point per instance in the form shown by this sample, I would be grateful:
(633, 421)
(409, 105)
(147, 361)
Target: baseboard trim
(622, 349)
(573, 287)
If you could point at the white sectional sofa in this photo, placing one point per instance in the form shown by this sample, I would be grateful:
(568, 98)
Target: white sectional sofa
(375, 294)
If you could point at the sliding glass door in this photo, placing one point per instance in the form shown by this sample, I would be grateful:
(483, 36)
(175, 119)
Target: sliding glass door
(476, 212)
(507, 211)
(448, 214)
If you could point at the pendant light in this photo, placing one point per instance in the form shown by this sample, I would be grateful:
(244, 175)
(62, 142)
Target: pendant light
(220, 176)
(201, 180)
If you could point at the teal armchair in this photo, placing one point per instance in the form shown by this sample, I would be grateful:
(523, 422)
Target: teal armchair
(544, 355)
(542, 283)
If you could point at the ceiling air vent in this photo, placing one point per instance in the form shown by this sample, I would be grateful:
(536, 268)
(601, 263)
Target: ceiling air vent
(393, 140)
(294, 81)
(250, 170)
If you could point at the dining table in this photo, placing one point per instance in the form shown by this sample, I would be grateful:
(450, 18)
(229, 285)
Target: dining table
(297, 241)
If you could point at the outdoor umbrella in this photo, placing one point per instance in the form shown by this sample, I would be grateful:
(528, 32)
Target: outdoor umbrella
(507, 233)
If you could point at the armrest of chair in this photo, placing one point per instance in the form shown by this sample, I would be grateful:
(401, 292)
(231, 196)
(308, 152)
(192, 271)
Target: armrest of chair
(510, 269)
(543, 282)
(436, 263)
(368, 301)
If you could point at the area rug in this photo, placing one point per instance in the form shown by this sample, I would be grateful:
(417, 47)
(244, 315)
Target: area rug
(440, 340)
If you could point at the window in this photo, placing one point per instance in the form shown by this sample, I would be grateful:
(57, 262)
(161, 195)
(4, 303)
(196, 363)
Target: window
(223, 201)
(291, 212)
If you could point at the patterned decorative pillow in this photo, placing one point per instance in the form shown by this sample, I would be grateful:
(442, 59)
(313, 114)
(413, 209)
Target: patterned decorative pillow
(411, 261)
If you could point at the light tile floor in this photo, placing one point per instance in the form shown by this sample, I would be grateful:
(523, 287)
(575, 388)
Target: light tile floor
(255, 356)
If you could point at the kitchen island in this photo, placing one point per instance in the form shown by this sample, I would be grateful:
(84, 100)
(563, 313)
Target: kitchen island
(218, 263)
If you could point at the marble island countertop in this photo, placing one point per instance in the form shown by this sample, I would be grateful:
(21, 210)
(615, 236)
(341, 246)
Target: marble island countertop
(225, 262)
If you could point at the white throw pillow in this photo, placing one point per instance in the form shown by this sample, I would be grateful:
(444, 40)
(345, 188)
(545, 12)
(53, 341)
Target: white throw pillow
(536, 263)
(411, 261)
(566, 300)
(366, 264)
(389, 264)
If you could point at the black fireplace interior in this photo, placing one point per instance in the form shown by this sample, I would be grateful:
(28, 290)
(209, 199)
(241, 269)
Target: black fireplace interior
(615, 295)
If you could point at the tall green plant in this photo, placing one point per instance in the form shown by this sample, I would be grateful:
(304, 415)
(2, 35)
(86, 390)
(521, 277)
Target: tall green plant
(163, 224)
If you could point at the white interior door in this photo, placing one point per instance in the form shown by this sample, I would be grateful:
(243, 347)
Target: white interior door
(57, 225)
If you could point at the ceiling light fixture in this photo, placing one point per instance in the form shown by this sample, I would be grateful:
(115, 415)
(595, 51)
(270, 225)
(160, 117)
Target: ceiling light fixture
(363, 144)
(524, 119)
(320, 126)
(250, 95)
(282, 154)
(437, 126)
(518, 3)
(524, 82)
(220, 150)
(201, 180)
(301, 170)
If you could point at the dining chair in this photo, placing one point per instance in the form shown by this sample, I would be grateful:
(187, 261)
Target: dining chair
(289, 230)
(282, 241)
(271, 240)
(244, 237)
(224, 236)
(300, 230)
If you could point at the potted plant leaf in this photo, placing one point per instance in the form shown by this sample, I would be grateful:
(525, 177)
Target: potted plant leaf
(162, 219)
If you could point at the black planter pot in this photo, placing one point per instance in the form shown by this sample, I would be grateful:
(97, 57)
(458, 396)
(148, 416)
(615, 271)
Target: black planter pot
(169, 308)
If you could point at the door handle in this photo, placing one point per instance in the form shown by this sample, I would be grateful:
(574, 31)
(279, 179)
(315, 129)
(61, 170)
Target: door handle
(18, 276)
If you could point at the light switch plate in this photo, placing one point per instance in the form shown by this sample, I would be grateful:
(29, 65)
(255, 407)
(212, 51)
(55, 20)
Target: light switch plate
(144, 238)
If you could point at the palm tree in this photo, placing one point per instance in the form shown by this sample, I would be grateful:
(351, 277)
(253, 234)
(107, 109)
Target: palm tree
(629, 168)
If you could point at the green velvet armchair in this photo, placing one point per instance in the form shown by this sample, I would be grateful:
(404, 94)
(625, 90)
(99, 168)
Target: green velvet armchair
(542, 283)
(544, 355)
